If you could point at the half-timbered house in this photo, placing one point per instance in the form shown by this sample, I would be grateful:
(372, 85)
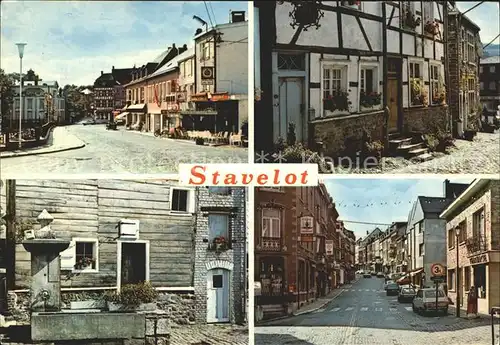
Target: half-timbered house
(332, 67)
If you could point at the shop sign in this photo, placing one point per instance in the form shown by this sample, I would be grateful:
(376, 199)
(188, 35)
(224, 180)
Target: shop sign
(164, 112)
(329, 247)
(199, 98)
(207, 82)
(307, 225)
(220, 96)
(306, 238)
(479, 259)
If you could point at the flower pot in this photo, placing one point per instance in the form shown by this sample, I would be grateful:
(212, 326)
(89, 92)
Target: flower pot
(366, 109)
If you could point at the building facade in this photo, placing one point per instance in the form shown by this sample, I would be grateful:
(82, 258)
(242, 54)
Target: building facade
(356, 58)
(220, 259)
(126, 232)
(475, 214)
(463, 68)
(489, 88)
(109, 96)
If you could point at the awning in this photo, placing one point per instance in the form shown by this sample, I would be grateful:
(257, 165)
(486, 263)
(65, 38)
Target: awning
(121, 116)
(414, 273)
(137, 107)
(198, 112)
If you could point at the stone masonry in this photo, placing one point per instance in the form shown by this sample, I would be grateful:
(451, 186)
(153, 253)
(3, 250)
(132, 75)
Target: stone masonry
(232, 259)
(425, 119)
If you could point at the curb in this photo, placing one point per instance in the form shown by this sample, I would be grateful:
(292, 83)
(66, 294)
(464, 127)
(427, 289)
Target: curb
(321, 306)
(23, 154)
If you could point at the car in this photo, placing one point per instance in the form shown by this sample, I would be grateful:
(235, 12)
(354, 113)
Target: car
(373, 273)
(392, 289)
(367, 275)
(425, 301)
(380, 275)
(406, 294)
(388, 282)
(87, 122)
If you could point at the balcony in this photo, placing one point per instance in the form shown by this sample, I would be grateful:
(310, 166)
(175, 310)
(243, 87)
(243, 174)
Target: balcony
(476, 244)
(270, 244)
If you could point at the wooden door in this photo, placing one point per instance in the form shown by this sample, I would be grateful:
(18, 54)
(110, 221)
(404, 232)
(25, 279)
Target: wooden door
(393, 100)
(291, 100)
(218, 296)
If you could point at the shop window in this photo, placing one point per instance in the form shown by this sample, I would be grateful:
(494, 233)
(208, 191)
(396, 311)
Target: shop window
(467, 282)
(480, 280)
(271, 276)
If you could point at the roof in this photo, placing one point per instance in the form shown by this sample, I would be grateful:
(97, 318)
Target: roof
(122, 75)
(490, 60)
(433, 204)
(173, 64)
(162, 56)
(463, 16)
(105, 80)
(474, 187)
(48, 83)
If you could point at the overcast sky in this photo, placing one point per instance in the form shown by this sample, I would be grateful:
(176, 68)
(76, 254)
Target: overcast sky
(72, 41)
(486, 16)
(381, 200)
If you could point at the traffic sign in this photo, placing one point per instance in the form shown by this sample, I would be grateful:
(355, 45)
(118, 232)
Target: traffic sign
(437, 270)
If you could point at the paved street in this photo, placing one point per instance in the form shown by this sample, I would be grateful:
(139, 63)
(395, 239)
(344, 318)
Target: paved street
(363, 314)
(121, 151)
(209, 335)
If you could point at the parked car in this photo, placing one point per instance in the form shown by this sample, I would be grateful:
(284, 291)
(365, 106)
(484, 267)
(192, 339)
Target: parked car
(367, 275)
(89, 121)
(380, 275)
(392, 289)
(406, 294)
(360, 272)
(425, 301)
(388, 282)
(373, 273)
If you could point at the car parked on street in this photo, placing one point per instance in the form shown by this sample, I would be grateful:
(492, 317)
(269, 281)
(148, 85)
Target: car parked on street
(380, 275)
(406, 294)
(425, 301)
(388, 282)
(88, 121)
(392, 289)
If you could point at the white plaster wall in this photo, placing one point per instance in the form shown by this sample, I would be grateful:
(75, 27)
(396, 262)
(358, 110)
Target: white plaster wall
(408, 44)
(202, 63)
(392, 41)
(405, 79)
(232, 59)
(325, 36)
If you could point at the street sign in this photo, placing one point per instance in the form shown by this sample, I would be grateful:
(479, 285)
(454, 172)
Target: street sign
(437, 279)
(437, 270)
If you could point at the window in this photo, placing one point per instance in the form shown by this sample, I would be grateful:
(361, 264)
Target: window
(478, 223)
(421, 249)
(493, 85)
(84, 252)
(462, 236)
(29, 104)
(272, 189)
(451, 238)
(182, 200)
(467, 271)
(462, 46)
(352, 4)
(334, 79)
(428, 9)
(291, 61)
(271, 222)
(481, 85)
(435, 79)
(81, 255)
(480, 69)
(471, 94)
(451, 279)
(41, 104)
(367, 81)
(471, 47)
(206, 51)
(217, 281)
(218, 226)
(219, 190)
(416, 83)
(492, 69)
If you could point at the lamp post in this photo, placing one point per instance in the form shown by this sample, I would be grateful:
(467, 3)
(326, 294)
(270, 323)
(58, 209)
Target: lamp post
(457, 279)
(20, 48)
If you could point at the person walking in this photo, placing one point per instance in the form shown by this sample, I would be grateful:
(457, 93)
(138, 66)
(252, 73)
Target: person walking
(472, 303)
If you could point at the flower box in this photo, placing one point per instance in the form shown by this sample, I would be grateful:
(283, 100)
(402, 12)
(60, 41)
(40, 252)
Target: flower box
(327, 113)
(219, 244)
(367, 109)
(410, 21)
(370, 101)
(431, 28)
(337, 103)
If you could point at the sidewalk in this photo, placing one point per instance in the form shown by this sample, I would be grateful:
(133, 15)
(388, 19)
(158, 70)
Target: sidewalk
(59, 140)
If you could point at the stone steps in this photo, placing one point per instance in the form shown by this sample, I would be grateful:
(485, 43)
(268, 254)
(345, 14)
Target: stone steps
(408, 146)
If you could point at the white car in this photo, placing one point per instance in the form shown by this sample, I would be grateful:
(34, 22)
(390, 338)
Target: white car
(425, 301)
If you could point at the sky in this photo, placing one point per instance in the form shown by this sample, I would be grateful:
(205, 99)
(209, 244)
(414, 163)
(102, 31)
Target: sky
(72, 41)
(486, 16)
(381, 200)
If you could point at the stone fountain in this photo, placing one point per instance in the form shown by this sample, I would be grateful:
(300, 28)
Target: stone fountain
(45, 266)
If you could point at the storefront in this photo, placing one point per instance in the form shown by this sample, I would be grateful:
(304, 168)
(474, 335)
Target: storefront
(137, 115)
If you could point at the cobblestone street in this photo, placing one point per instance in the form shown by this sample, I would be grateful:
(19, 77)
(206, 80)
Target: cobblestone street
(209, 335)
(363, 314)
(121, 151)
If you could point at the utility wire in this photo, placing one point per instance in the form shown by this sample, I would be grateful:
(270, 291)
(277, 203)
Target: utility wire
(367, 223)
(212, 10)
(493, 40)
(208, 13)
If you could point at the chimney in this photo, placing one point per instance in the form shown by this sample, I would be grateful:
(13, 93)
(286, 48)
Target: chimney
(102, 72)
(198, 31)
(237, 16)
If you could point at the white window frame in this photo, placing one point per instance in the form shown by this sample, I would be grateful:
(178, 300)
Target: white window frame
(228, 234)
(190, 207)
(481, 85)
(422, 83)
(471, 47)
(270, 219)
(331, 65)
(433, 81)
(376, 79)
(492, 85)
(206, 48)
(95, 253)
(119, 259)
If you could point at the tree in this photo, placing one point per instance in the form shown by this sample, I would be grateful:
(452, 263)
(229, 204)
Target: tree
(76, 101)
(6, 95)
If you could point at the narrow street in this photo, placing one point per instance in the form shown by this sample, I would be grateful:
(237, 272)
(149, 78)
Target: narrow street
(363, 314)
(122, 151)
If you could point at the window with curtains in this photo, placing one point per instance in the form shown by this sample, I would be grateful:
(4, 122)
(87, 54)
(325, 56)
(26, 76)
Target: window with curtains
(218, 226)
(332, 81)
(271, 222)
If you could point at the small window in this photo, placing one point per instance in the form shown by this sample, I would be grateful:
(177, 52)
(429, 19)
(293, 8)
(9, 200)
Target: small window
(493, 85)
(271, 222)
(206, 51)
(416, 84)
(367, 82)
(293, 62)
(480, 69)
(421, 249)
(218, 226)
(219, 190)
(85, 255)
(217, 281)
(492, 69)
(481, 85)
(180, 200)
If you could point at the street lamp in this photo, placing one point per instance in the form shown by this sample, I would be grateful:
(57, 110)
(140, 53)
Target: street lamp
(20, 48)
(457, 279)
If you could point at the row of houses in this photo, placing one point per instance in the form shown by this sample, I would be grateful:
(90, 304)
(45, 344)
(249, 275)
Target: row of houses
(463, 223)
(200, 87)
(352, 70)
(302, 249)
(189, 243)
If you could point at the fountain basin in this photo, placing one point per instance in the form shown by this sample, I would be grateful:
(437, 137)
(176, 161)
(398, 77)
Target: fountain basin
(56, 326)
(46, 245)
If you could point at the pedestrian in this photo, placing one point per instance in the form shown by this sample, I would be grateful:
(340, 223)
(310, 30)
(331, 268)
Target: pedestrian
(472, 303)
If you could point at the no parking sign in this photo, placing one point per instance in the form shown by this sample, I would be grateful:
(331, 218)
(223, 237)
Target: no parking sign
(437, 270)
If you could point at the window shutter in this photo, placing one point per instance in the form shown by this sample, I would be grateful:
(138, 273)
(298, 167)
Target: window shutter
(191, 201)
(68, 257)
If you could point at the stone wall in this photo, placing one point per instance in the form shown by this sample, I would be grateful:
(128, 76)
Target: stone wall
(232, 260)
(334, 131)
(425, 119)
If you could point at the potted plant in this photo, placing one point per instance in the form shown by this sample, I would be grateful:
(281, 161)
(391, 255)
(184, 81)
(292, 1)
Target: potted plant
(374, 149)
(132, 297)
(431, 27)
(369, 100)
(410, 20)
(84, 262)
(219, 244)
(337, 102)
